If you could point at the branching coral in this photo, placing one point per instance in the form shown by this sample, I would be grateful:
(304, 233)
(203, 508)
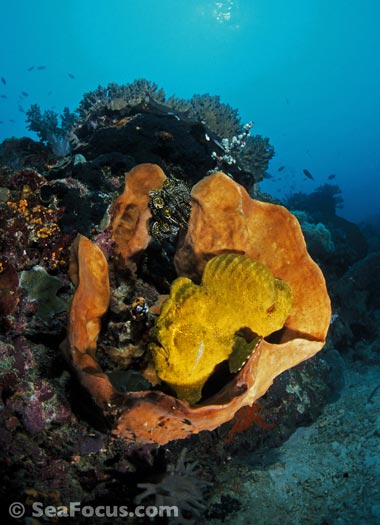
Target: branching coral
(116, 97)
(124, 114)
(255, 157)
(231, 148)
(252, 153)
(220, 118)
(48, 128)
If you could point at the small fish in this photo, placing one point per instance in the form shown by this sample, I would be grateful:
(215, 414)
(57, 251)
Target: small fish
(30, 68)
(308, 174)
(331, 177)
(3, 81)
(281, 168)
(1, 121)
(11, 120)
(71, 75)
(41, 67)
(20, 108)
(267, 175)
(24, 94)
(3, 96)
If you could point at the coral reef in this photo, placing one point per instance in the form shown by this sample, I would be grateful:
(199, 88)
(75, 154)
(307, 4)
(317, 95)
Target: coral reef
(370, 228)
(356, 295)
(138, 119)
(219, 118)
(244, 419)
(18, 154)
(96, 439)
(115, 98)
(339, 242)
(323, 201)
(318, 238)
(26, 222)
(263, 231)
(232, 148)
(322, 460)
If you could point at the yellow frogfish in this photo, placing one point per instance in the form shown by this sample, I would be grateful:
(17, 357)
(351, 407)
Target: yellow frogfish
(238, 302)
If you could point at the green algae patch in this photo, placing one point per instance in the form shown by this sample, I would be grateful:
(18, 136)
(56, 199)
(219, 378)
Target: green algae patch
(43, 289)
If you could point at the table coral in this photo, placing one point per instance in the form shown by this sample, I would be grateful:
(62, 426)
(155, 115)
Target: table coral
(238, 301)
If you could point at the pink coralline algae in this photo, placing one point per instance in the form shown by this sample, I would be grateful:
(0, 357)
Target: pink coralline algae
(43, 407)
(33, 402)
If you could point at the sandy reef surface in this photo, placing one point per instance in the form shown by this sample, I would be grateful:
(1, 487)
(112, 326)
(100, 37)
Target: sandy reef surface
(327, 473)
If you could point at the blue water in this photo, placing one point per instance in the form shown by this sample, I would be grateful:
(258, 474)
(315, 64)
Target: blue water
(307, 72)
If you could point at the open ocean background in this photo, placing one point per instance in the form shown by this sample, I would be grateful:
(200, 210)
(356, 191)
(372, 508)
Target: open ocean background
(306, 72)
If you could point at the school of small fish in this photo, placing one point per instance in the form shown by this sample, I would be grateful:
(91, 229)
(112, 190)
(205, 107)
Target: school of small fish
(25, 94)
